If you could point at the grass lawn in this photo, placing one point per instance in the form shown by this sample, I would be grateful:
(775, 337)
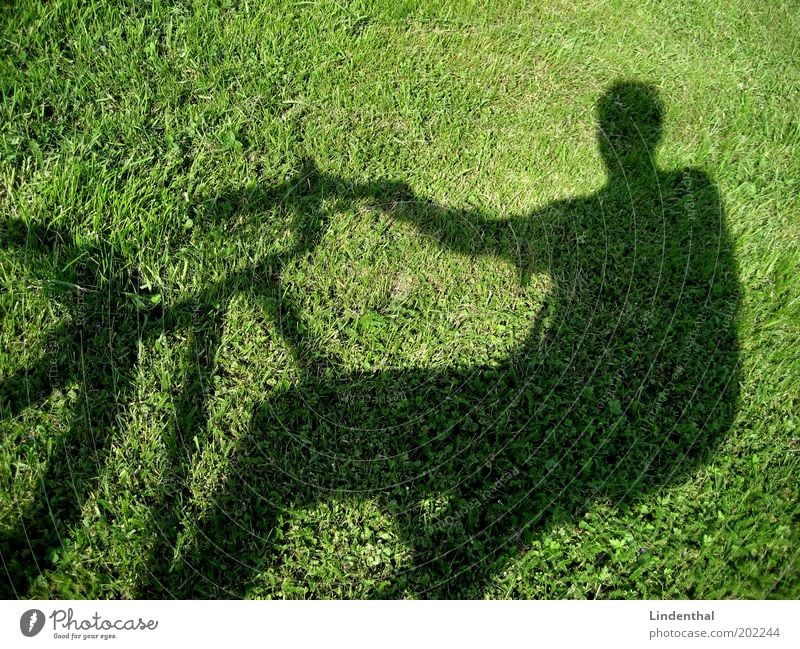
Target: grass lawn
(399, 299)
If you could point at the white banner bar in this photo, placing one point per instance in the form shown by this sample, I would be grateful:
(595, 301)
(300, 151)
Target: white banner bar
(400, 623)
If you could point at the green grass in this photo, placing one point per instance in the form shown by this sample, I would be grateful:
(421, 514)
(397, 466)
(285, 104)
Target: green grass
(354, 300)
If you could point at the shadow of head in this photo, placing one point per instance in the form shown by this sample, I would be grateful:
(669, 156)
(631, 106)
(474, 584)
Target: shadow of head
(629, 125)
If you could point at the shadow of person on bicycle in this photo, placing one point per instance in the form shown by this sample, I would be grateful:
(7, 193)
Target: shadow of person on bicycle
(627, 385)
